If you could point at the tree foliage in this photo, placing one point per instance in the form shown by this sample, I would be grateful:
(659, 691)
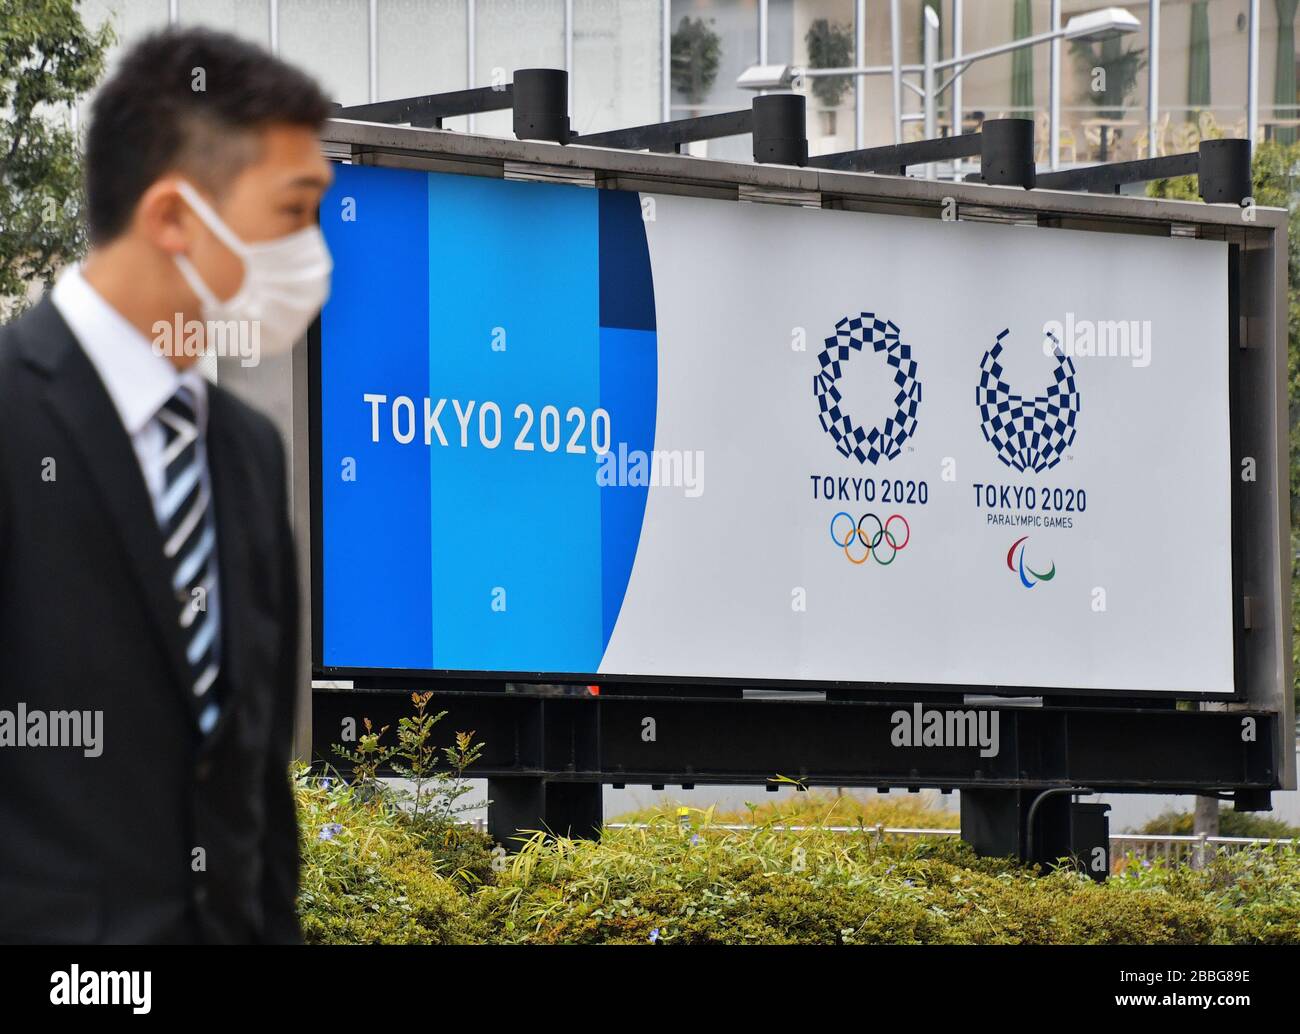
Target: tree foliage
(48, 59)
(696, 54)
(1119, 71)
(830, 45)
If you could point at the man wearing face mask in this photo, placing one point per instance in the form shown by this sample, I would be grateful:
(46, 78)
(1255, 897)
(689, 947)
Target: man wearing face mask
(148, 604)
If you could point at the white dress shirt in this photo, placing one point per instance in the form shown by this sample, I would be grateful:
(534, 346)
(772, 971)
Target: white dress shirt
(138, 380)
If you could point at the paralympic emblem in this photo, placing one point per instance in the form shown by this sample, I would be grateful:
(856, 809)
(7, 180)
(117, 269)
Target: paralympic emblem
(1029, 432)
(867, 444)
(871, 542)
(1018, 565)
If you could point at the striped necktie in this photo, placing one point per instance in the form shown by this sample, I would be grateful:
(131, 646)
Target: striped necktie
(189, 535)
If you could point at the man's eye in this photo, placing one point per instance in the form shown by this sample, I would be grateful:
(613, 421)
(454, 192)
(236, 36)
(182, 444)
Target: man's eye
(297, 211)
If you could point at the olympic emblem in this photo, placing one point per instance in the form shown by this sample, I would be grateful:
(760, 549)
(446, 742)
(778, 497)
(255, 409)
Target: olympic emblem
(871, 546)
(1019, 565)
(867, 444)
(1029, 433)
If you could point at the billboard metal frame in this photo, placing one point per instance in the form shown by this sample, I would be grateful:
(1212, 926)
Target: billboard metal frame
(1048, 751)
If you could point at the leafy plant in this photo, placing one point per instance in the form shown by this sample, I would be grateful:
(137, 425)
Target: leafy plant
(48, 59)
(432, 805)
(416, 758)
(370, 877)
(1232, 823)
(367, 760)
(1119, 69)
(829, 46)
(695, 55)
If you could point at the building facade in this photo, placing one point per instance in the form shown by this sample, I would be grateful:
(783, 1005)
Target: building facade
(639, 61)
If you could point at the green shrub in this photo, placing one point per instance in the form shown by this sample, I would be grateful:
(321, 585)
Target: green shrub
(675, 886)
(1231, 824)
(381, 867)
(370, 875)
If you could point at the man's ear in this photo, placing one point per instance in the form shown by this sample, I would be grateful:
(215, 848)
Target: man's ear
(164, 219)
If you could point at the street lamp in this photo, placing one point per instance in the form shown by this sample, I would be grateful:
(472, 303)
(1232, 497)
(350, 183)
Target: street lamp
(1106, 23)
(1093, 27)
(1099, 25)
(767, 77)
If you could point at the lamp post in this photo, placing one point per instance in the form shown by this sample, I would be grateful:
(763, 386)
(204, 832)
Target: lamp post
(1092, 27)
(930, 48)
(1054, 92)
(896, 69)
(958, 111)
(1153, 77)
(1252, 73)
(859, 83)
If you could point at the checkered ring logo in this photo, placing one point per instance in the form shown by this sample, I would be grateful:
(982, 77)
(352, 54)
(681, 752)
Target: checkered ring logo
(867, 444)
(1029, 433)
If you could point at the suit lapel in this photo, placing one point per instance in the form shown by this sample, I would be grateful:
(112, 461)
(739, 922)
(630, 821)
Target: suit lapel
(228, 468)
(82, 405)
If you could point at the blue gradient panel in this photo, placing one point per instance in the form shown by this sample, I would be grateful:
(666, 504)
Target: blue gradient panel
(481, 555)
(627, 297)
(516, 533)
(629, 383)
(629, 368)
(374, 332)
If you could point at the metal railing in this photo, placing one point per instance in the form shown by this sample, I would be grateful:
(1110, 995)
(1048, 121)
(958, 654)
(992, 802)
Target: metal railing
(1196, 850)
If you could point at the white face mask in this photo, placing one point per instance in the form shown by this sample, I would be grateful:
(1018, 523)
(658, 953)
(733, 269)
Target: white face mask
(286, 280)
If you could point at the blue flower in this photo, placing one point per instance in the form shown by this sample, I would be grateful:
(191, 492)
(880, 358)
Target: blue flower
(330, 830)
(695, 839)
(654, 935)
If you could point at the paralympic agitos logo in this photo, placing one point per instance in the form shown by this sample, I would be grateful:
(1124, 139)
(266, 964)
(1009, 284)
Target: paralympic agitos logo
(1016, 563)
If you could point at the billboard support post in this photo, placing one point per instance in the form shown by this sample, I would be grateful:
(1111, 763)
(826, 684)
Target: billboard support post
(1038, 826)
(521, 806)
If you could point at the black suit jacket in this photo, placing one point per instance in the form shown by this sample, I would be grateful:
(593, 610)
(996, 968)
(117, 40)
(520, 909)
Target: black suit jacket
(167, 836)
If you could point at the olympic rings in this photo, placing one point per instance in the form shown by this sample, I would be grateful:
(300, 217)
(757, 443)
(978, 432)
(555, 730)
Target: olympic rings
(871, 548)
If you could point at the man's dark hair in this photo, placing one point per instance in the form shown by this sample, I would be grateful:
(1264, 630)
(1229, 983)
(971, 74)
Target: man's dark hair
(189, 100)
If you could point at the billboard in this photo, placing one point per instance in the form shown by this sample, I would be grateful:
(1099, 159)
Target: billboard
(569, 431)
